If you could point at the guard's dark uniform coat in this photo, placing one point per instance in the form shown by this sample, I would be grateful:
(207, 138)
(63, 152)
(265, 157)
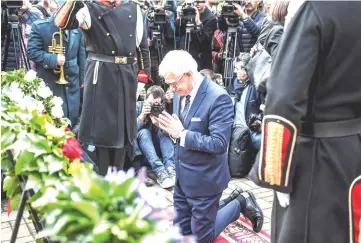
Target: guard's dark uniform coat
(38, 45)
(108, 116)
(311, 145)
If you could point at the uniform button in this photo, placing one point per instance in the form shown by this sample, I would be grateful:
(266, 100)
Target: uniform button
(130, 16)
(113, 52)
(130, 54)
(100, 17)
(108, 34)
(130, 35)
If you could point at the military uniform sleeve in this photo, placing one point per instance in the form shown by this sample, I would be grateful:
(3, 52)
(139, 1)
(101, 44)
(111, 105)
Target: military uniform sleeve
(287, 99)
(81, 60)
(72, 15)
(142, 50)
(35, 49)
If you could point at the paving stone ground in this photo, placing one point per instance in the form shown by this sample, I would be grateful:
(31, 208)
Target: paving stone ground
(27, 232)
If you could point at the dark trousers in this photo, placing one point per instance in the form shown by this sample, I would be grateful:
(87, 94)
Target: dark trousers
(110, 157)
(203, 217)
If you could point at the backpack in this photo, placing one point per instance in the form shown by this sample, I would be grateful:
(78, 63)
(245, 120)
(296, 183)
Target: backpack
(240, 153)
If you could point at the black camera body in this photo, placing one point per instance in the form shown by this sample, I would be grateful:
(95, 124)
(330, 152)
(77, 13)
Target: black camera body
(230, 18)
(255, 121)
(157, 109)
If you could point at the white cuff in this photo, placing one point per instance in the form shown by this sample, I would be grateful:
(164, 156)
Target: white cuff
(182, 138)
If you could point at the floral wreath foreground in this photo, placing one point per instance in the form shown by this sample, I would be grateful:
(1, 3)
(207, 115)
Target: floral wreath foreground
(75, 203)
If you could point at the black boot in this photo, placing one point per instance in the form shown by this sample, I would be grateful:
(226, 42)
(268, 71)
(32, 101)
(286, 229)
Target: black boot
(251, 210)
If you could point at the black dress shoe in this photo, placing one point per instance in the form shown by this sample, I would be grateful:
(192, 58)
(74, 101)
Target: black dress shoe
(235, 193)
(251, 210)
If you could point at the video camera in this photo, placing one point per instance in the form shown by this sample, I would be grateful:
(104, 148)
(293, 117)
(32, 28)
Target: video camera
(227, 12)
(157, 14)
(188, 11)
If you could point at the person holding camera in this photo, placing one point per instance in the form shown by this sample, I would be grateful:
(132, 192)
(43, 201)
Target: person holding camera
(160, 24)
(205, 23)
(155, 145)
(251, 20)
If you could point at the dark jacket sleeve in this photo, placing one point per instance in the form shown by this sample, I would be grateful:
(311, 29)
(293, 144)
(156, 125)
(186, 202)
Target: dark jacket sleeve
(252, 27)
(81, 60)
(265, 28)
(143, 53)
(273, 40)
(205, 33)
(35, 50)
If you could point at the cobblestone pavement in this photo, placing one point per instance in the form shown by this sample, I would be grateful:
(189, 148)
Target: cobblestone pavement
(27, 231)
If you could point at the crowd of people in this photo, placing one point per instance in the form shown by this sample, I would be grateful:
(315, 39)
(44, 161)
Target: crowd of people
(183, 97)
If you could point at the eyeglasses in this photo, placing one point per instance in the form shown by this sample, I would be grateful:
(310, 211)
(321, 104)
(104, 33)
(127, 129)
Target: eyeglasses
(174, 85)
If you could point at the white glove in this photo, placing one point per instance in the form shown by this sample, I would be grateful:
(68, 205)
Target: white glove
(283, 199)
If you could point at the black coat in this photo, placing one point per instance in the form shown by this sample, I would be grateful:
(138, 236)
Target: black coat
(109, 107)
(38, 45)
(315, 78)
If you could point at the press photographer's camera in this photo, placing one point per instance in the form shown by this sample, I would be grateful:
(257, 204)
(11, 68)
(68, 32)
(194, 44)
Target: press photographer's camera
(157, 109)
(228, 16)
(255, 121)
(188, 9)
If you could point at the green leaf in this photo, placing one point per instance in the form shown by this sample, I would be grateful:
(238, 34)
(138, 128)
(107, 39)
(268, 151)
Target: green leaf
(15, 201)
(102, 232)
(34, 182)
(55, 163)
(6, 163)
(7, 138)
(10, 185)
(25, 163)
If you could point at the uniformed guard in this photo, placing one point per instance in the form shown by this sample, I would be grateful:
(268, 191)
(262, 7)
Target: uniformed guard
(311, 147)
(116, 42)
(48, 64)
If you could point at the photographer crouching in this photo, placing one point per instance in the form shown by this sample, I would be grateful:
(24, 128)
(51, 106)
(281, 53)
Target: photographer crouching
(155, 145)
(195, 26)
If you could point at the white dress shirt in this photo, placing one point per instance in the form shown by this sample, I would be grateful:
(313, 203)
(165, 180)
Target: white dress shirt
(197, 83)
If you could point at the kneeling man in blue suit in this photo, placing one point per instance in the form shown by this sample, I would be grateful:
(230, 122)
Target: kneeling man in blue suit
(201, 128)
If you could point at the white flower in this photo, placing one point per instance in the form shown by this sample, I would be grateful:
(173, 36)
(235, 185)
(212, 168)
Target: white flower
(15, 94)
(28, 103)
(57, 101)
(30, 76)
(44, 92)
(40, 107)
(57, 112)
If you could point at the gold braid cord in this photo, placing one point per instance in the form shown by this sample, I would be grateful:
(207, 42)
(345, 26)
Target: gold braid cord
(278, 142)
(140, 58)
(62, 17)
(355, 210)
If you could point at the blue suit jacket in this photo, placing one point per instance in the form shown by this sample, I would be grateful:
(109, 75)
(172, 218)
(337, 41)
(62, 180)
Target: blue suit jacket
(37, 50)
(202, 167)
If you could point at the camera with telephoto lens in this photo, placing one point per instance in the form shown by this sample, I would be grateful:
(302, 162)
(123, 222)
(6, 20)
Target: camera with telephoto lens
(156, 109)
(255, 121)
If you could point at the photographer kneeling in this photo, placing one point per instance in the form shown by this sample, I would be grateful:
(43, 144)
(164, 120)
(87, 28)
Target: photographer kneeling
(153, 141)
(201, 23)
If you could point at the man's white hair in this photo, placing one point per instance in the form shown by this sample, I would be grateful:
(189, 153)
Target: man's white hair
(178, 62)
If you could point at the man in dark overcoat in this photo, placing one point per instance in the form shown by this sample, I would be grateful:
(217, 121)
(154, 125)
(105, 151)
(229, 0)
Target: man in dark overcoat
(117, 47)
(311, 147)
(73, 62)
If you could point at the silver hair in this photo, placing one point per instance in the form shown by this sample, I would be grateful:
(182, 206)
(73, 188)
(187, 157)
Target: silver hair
(178, 62)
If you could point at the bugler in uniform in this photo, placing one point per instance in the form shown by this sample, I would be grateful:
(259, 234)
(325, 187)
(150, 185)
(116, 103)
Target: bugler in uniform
(311, 147)
(116, 42)
(38, 46)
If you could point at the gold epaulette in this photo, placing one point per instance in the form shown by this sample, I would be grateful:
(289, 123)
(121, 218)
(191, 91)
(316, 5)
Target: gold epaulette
(277, 147)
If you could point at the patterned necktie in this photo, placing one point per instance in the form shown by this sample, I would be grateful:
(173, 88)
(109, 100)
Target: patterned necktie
(186, 108)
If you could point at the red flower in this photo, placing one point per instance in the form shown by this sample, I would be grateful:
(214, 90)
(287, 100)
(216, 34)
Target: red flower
(67, 129)
(72, 149)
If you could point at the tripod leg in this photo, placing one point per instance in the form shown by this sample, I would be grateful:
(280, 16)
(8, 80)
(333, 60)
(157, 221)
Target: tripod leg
(19, 216)
(23, 50)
